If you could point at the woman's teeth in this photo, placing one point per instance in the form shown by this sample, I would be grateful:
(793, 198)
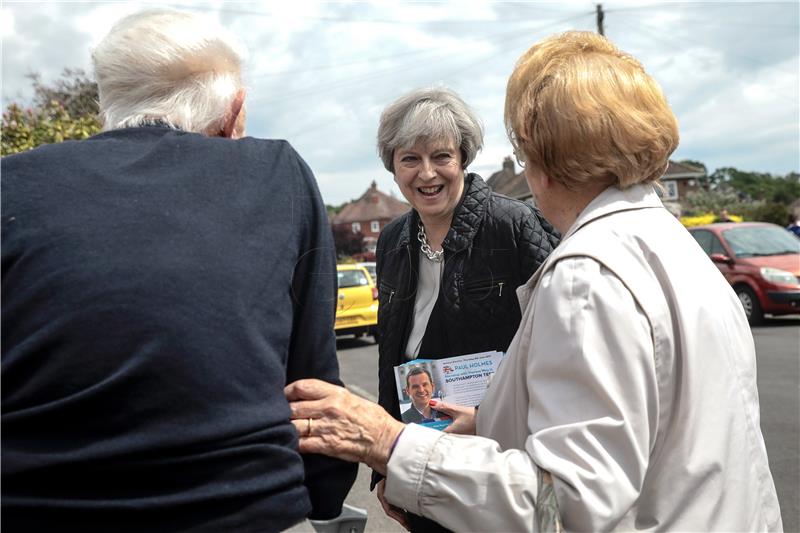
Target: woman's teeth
(430, 190)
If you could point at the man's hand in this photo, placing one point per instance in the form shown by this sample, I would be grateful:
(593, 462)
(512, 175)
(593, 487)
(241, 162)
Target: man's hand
(395, 513)
(332, 421)
(463, 417)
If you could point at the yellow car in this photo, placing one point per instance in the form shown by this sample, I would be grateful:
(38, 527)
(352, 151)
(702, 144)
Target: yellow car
(356, 302)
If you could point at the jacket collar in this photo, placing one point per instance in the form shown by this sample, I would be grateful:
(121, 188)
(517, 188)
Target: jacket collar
(613, 200)
(466, 219)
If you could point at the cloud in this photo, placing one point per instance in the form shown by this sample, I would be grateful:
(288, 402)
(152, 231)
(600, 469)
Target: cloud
(320, 73)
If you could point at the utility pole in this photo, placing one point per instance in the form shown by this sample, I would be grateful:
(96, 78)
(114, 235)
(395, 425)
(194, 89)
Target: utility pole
(600, 16)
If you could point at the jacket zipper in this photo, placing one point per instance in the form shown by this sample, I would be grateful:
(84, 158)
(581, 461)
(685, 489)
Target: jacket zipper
(488, 288)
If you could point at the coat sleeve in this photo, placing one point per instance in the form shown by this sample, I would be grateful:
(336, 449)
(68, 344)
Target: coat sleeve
(312, 351)
(592, 406)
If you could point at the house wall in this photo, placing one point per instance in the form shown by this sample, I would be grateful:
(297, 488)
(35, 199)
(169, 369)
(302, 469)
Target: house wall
(366, 228)
(677, 189)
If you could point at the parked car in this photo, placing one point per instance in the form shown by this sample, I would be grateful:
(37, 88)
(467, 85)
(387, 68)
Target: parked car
(356, 303)
(761, 261)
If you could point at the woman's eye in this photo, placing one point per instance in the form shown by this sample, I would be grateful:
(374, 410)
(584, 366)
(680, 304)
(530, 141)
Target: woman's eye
(408, 159)
(443, 157)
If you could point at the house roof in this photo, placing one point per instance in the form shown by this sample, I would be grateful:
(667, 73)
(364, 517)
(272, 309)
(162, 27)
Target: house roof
(372, 205)
(509, 182)
(678, 171)
(513, 184)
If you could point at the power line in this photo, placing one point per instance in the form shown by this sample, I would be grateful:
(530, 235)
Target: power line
(691, 5)
(316, 126)
(405, 55)
(349, 20)
(698, 42)
(390, 69)
(652, 34)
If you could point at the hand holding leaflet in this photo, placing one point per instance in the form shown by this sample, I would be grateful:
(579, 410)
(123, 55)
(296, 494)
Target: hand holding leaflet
(463, 418)
(462, 380)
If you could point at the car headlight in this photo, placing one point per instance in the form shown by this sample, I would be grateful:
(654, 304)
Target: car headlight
(776, 275)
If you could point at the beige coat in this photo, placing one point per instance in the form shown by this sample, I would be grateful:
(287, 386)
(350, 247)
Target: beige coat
(638, 394)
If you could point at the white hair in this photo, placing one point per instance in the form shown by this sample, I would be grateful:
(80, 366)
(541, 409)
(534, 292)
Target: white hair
(167, 66)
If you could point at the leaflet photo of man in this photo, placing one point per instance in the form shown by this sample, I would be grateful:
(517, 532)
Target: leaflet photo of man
(419, 387)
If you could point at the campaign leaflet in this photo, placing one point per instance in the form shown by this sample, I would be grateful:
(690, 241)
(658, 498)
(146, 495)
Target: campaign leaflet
(460, 380)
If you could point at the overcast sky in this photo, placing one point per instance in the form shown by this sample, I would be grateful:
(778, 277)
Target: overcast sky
(319, 73)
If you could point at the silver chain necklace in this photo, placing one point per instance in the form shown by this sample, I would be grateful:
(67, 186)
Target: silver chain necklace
(436, 257)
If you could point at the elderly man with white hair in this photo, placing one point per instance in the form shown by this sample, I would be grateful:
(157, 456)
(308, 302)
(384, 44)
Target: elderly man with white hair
(162, 281)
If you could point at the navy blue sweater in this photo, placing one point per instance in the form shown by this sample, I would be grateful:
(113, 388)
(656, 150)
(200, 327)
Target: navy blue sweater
(159, 289)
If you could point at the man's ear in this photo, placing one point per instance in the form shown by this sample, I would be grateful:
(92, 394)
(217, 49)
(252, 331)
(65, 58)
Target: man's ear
(229, 128)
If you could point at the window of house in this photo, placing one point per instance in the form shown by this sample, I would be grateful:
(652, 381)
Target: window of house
(671, 192)
(375, 226)
(356, 227)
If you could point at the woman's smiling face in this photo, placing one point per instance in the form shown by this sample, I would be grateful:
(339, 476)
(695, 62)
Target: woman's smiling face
(431, 178)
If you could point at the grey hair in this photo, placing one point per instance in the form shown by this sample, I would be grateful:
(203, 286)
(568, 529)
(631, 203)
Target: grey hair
(168, 66)
(426, 115)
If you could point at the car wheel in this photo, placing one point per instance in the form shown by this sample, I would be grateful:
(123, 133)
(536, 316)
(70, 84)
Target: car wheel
(750, 304)
(376, 335)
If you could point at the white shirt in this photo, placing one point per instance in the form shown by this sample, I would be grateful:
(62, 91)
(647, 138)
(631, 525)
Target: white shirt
(632, 380)
(428, 283)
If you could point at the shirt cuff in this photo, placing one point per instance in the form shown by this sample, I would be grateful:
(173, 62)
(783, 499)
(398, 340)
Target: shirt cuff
(407, 465)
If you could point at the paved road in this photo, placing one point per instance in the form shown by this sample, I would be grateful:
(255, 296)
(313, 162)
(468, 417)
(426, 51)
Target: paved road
(778, 352)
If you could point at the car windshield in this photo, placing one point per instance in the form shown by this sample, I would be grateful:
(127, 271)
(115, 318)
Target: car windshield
(371, 270)
(352, 278)
(753, 241)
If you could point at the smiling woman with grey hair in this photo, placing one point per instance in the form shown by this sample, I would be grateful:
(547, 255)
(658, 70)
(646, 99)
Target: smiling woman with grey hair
(448, 269)
(426, 114)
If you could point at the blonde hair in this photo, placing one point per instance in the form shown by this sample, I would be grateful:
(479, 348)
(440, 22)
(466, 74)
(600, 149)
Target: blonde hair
(167, 66)
(583, 111)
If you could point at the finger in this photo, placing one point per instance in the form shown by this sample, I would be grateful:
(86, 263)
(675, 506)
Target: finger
(301, 426)
(395, 513)
(442, 406)
(307, 409)
(308, 389)
(318, 445)
(399, 516)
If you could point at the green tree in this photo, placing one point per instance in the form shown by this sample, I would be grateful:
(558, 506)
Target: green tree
(759, 186)
(65, 110)
(74, 90)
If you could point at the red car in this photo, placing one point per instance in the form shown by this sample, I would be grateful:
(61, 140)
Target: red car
(761, 261)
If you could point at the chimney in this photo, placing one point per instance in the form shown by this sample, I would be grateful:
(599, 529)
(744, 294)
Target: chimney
(508, 166)
(373, 189)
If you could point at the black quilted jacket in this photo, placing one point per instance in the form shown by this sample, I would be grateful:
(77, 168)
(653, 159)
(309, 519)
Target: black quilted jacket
(494, 245)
